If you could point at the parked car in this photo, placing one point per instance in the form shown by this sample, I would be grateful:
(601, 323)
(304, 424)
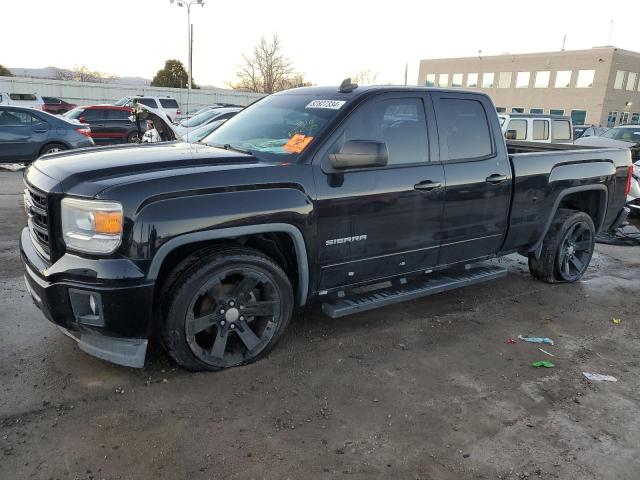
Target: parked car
(188, 115)
(221, 113)
(30, 100)
(531, 127)
(310, 193)
(167, 104)
(626, 136)
(587, 131)
(57, 106)
(109, 124)
(26, 134)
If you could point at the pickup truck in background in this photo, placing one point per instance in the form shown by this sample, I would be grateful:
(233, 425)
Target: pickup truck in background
(532, 127)
(358, 197)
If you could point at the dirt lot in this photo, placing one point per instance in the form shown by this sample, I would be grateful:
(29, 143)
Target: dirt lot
(424, 390)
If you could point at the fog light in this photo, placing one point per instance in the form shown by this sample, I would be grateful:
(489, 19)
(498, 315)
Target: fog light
(87, 307)
(92, 304)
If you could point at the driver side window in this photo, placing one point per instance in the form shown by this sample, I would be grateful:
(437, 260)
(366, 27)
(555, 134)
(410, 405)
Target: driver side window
(399, 123)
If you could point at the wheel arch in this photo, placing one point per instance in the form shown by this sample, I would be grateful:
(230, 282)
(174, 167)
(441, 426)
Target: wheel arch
(52, 142)
(590, 199)
(233, 233)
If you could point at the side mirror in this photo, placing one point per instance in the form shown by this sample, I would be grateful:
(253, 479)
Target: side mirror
(511, 134)
(359, 154)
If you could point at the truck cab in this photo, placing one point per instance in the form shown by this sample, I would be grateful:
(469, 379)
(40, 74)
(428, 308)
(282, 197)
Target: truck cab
(529, 127)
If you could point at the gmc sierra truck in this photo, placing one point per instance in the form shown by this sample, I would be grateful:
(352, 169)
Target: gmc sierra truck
(357, 197)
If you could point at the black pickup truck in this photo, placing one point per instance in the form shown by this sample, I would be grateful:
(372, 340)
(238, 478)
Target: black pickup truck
(359, 197)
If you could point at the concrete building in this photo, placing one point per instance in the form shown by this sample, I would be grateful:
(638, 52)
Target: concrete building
(598, 86)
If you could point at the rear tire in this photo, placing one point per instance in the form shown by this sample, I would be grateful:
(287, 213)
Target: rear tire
(567, 248)
(52, 148)
(228, 308)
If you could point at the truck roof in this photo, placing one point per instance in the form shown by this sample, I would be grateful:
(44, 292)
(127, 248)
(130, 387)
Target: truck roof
(335, 92)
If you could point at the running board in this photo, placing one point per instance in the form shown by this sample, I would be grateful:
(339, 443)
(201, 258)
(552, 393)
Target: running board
(436, 283)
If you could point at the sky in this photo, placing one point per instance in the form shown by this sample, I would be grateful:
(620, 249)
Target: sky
(326, 40)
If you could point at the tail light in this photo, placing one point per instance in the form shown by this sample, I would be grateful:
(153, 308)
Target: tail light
(86, 131)
(627, 187)
(178, 112)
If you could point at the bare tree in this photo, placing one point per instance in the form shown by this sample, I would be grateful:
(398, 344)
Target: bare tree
(83, 74)
(365, 77)
(267, 70)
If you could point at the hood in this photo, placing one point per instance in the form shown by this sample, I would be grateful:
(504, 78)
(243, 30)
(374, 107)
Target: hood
(603, 142)
(87, 171)
(166, 129)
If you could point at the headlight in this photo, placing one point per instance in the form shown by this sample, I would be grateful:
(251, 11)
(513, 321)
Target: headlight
(91, 226)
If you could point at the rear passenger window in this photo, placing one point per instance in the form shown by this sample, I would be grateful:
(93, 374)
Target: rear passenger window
(94, 114)
(168, 103)
(149, 102)
(463, 129)
(561, 130)
(118, 115)
(399, 123)
(520, 127)
(540, 130)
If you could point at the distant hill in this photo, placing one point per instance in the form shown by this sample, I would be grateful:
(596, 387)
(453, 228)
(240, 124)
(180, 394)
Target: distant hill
(52, 73)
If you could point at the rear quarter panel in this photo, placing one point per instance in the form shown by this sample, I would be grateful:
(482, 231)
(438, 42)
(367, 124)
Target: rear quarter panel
(542, 179)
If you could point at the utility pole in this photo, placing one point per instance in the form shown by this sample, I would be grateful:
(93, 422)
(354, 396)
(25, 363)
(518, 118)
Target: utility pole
(564, 41)
(184, 3)
(610, 33)
(406, 69)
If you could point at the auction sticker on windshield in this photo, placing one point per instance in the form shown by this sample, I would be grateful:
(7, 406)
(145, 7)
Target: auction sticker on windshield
(330, 104)
(297, 143)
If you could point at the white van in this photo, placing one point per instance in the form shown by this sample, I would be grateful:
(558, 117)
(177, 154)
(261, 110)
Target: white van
(531, 127)
(169, 106)
(30, 100)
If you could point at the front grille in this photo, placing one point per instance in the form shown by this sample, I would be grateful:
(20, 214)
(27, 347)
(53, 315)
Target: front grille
(35, 203)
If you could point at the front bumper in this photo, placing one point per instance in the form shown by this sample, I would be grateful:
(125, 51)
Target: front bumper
(122, 299)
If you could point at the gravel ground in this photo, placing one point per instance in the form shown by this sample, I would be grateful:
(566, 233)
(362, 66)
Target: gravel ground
(423, 390)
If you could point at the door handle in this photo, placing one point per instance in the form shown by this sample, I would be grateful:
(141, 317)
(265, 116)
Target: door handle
(496, 178)
(427, 185)
(40, 131)
(99, 125)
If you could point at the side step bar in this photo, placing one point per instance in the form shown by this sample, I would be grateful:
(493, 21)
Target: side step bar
(435, 283)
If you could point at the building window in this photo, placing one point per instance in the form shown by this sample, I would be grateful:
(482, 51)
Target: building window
(619, 82)
(631, 81)
(556, 111)
(578, 117)
(563, 79)
(517, 110)
(504, 80)
(431, 80)
(501, 109)
(520, 127)
(456, 80)
(487, 80)
(635, 118)
(540, 130)
(537, 111)
(522, 79)
(585, 78)
(472, 80)
(611, 119)
(542, 79)
(443, 80)
(624, 118)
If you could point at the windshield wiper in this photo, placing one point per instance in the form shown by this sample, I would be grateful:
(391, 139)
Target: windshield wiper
(228, 146)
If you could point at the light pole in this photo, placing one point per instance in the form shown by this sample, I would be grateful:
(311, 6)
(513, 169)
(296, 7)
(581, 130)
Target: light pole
(184, 3)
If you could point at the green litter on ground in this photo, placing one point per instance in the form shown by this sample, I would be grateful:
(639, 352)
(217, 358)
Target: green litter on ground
(543, 363)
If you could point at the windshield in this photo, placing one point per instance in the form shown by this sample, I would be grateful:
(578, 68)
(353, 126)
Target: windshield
(277, 126)
(631, 135)
(75, 113)
(201, 132)
(123, 102)
(199, 119)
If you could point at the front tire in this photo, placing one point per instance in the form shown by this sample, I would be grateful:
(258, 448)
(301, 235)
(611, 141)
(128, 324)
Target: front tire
(566, 249)
(229, 308)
